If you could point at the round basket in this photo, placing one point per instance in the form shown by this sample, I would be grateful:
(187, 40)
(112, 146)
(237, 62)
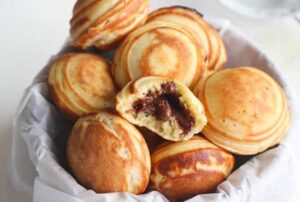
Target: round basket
(40, 133)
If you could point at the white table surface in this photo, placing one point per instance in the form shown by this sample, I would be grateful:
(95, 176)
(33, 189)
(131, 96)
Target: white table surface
(32, 30)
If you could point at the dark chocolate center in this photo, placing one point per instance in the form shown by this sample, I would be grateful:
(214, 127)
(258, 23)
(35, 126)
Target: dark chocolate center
(164, 104)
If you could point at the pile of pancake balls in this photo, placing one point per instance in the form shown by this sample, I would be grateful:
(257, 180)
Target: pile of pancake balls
(164, 114)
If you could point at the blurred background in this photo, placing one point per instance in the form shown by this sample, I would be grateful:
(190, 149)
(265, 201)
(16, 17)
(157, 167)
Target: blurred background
(33, 30)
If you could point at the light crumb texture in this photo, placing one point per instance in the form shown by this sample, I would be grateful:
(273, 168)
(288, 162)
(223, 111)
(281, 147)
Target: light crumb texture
(168, 129)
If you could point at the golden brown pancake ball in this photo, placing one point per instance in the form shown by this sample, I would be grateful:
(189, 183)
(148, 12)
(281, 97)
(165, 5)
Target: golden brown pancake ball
(160, 49)
(108, 154)
(182, 170)
(210, 40)
(81, 83)
(246, 109)
(103, 23)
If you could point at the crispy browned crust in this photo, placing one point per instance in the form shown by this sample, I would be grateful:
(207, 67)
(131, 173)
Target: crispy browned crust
(108, 154)
(62, 107)
(218, 57)
(175, 51)
(109, 27)
(216, 52)
(251, 114)
(184, 173)
(89, 89)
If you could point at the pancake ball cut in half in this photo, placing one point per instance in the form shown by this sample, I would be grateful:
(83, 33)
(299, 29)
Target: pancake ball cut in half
(246, 109)
(210, 40)
(81, 83)
(166, 107)
(108, 154)
(185, 169)
(160, 49)
(103, 23)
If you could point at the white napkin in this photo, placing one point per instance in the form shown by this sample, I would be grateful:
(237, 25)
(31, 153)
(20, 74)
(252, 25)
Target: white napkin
(40, 132)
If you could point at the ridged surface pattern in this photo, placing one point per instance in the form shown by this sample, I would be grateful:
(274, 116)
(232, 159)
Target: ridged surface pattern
(159, 49)
(211, 43)
(246, 109)
(81, 83)
(184, 169)
(103, 23)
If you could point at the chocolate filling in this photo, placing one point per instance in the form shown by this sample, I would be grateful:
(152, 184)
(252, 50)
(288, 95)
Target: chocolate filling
(164, 104)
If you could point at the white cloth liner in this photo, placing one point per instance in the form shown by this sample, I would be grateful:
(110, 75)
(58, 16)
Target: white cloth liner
(40, 132)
